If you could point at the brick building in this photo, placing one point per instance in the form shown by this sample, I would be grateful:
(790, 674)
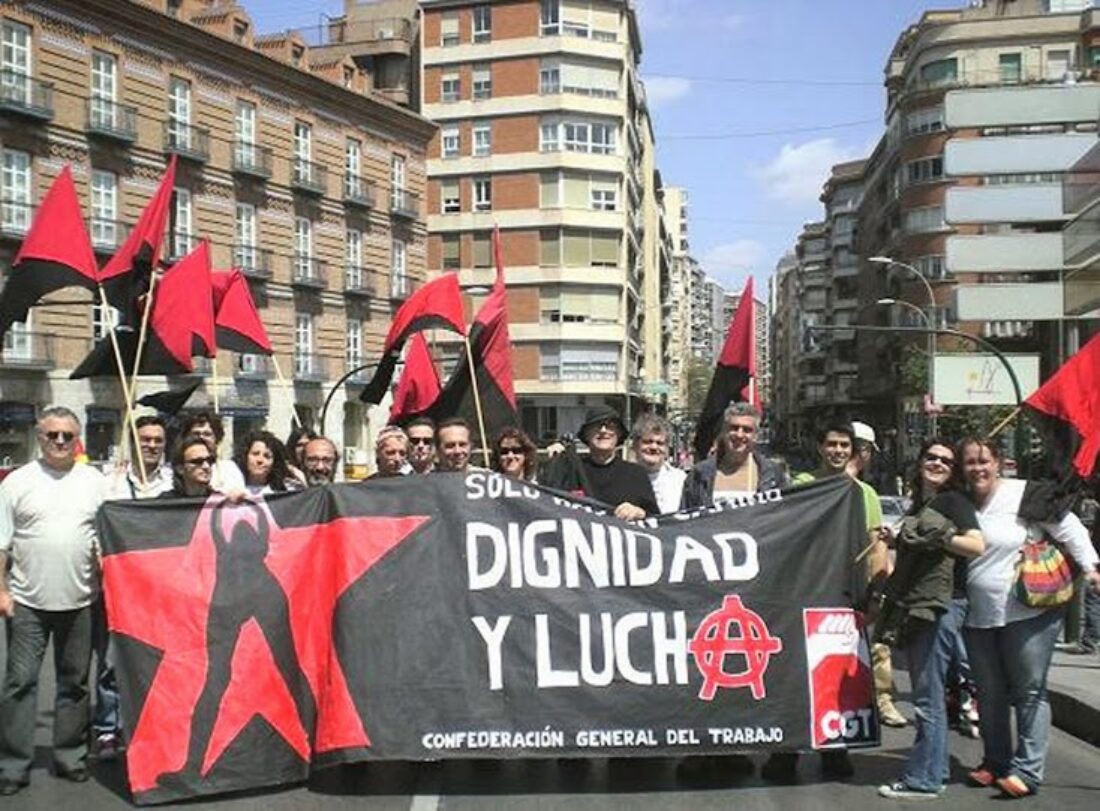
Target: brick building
(289, 164)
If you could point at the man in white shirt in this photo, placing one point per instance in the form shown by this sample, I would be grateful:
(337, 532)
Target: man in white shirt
(47, 529)
(649, 441)
(127, 481)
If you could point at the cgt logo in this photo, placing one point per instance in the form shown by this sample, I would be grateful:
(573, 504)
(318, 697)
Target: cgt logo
(840, 681)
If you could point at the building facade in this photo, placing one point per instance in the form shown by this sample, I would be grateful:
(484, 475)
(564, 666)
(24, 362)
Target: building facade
(288, 165)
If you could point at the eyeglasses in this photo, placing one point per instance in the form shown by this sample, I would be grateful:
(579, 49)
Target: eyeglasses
(510, 449)
(199, 461)
(59, 436)
(943, 460)
(420, 440)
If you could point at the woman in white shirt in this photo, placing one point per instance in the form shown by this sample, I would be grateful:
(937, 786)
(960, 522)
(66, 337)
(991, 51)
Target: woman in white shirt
(263, 462)
(1010, 644)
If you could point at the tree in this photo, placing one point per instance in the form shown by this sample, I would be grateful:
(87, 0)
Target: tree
(699, 374)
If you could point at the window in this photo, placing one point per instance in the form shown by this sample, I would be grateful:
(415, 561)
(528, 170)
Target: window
(550, 17)
(297, 53)
(483, 23)
(448, 29)
(399, 281)
(244, 229)
(179, 112)
(572, 247)
(244, 125)
(483, 82)
(550, 80)
(353, 164)
(240, 31)
(353, 249)
(15, 192)
(932, 266)
(482, 242)
(451, 244)
(603, 139)
(101, 106)
(353, 344)
(303, 344)
(924, 170)
(1010, 68)
(605, 195)
(449, 196)
(1058, 65)
(397, 174)
(303, 148)
(598, 362)
(483, 194)
(927, 119)
(579, 136)
(548, 138)
(15, 61)
(449, 142)
(303, 248)
(181, 223)
(349, 76)
(483, 140)
(943, 71)
(103, 321)
(920, 220)
(104, 209)
(450, 87)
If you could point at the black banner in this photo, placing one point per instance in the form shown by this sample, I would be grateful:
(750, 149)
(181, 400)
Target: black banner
(475, 616)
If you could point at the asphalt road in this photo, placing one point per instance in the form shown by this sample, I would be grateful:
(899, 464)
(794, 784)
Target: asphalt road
(1073, 782)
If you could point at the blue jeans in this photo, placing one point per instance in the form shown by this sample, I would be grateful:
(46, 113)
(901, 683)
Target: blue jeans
(1090, 636)
(106, 717)
(1010, 665)
(929, 648)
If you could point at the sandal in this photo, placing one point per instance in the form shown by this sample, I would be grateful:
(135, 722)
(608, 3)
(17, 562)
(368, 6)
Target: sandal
(981, 778)
(1012, 786)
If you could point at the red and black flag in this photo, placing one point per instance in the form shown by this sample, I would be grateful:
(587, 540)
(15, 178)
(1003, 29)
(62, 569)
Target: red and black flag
(56, 253)
(436, 304)
(170, 401)
(126, 275)
(491, 348)
(736, 368)
(1066, 409)
(237, 322)
(181, 325)
(418, 388)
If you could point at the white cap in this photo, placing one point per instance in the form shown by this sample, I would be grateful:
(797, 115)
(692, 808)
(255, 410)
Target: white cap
(864, 432)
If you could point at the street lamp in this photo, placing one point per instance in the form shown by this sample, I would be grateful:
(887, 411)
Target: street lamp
(930, 318)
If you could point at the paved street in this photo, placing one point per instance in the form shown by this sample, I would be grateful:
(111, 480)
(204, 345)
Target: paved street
(1073, 782)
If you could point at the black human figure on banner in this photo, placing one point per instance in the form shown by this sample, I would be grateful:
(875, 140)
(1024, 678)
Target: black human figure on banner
(244, 589)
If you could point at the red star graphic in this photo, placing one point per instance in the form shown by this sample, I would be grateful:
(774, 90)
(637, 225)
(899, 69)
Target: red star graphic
(162, 597)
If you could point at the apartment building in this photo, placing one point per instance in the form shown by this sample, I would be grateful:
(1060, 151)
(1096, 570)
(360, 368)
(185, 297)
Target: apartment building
(761, 335)
(785, 343)
(288, 165)
(544, 131)
(676, 306)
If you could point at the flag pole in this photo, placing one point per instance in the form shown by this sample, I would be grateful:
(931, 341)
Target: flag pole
(477, 400)
(135, 453)
(294, 421)
(752, 462)
(214, 380)
(1004, 423)
(143, 334)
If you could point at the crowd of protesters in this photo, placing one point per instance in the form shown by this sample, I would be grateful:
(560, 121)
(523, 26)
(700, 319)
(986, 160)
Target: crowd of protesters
(939, 587)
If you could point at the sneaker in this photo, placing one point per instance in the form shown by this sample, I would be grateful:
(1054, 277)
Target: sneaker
(888, 714)
(1081, 649)
(900, 791)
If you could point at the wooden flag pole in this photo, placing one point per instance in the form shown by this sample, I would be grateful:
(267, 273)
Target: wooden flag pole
(135, 453)
(295, 422)
(477, 401)
(752, 462)
(143, 333)
(214, 380)
(1004, 423)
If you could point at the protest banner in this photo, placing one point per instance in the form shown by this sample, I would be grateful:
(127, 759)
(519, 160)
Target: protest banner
(457, 616)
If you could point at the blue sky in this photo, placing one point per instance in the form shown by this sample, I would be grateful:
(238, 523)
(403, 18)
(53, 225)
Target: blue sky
(793, 68)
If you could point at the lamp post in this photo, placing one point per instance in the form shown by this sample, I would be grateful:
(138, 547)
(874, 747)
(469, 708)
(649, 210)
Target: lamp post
(931, 322)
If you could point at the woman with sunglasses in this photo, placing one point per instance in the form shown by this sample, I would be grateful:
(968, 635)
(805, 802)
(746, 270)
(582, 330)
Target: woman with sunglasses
(193, 461)
(515, 455)
(936, 539)
(1011, 644)
(263, 462)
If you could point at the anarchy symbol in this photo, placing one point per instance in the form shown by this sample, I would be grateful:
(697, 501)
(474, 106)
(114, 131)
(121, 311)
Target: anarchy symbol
(712, 643)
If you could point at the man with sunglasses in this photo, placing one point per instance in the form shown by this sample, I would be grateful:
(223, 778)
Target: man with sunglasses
(421, 433)
(47, 529)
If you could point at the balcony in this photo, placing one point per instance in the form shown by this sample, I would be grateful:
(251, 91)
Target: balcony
(405, 204)
(357, 282)
(309, 367)
(252, 367)
(251, 160)
(389, 35)
(108, 119)
(15, 218)
(1025, 202)
(253, 262)
(190, 143)
(107, 235)
(308, 177)
(28, 351)
(1015, 154)
(308, 272)
(358, 192)
(1004, 253)
(362, 375)
(26, 96)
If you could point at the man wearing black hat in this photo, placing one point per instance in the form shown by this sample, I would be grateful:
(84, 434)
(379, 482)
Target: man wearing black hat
(603, 475)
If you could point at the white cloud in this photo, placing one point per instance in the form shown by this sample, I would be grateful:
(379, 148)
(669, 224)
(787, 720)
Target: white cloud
(662, 89)
(731, 263)
(796, 174)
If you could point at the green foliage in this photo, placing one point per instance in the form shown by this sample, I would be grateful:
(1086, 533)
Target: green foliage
(699, 374)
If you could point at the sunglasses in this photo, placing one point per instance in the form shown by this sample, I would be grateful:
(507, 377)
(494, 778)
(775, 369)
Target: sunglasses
(420, 440)
(60, 436)
(947, 461)
(510, 449)
(200, 461)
